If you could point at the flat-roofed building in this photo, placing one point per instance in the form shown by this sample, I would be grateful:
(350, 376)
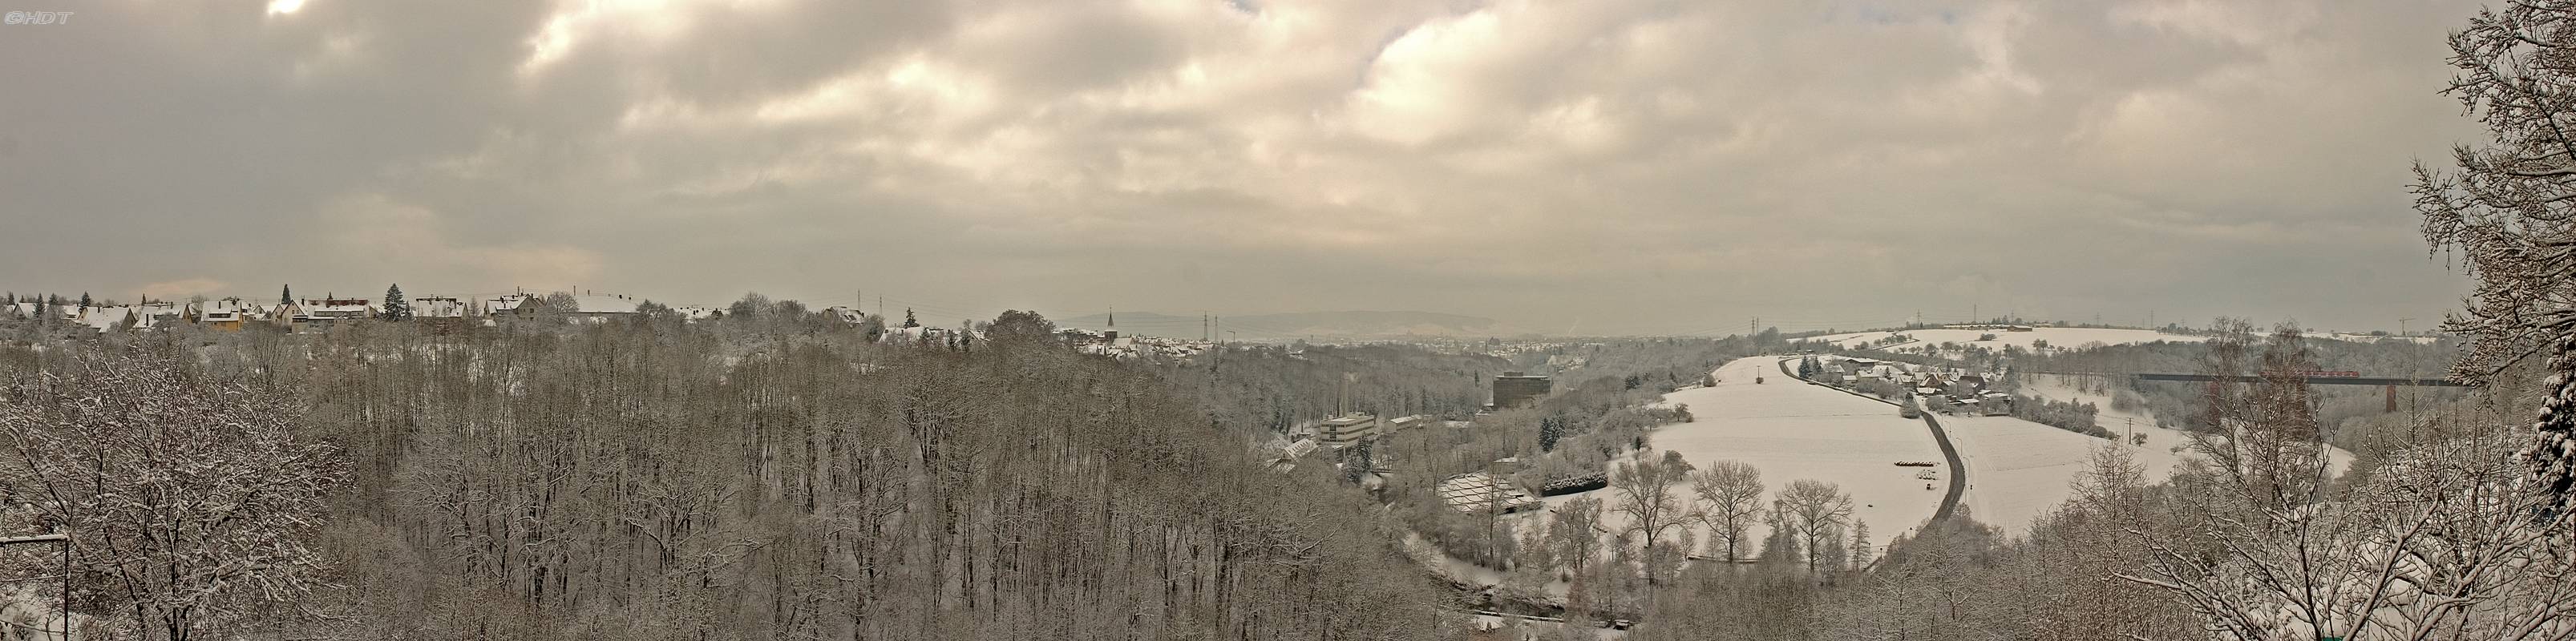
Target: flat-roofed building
(1344, 430)
(1515, 389)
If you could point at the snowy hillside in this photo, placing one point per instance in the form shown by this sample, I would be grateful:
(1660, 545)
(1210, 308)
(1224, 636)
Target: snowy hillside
(1300, 324)
(2060, 337)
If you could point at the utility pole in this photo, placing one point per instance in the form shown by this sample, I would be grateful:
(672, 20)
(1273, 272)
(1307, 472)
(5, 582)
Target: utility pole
(2410, 389)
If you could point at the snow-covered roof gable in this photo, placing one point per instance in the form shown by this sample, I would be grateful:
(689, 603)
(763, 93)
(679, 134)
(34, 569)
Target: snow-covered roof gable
(220, 310)
(1300, 448)
(62, 312)
(150, 315)
(506, 303)
(105, 318)
(437, 307)
(336, 308)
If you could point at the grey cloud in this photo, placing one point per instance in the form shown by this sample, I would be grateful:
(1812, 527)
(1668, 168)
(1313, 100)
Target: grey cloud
(1642, 166)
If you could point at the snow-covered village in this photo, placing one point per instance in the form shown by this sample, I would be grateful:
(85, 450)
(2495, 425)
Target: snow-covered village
(1162, 320)
(442, 315)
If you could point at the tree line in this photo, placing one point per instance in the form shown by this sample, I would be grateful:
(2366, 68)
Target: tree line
(651, 479)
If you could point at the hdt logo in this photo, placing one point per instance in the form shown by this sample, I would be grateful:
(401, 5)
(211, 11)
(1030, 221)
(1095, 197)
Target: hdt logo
(37, 17)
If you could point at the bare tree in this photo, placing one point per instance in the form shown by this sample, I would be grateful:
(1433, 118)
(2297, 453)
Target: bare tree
(2266, 441)
(1573, 533)
(1646, 494)
(189, 501)
(2506, 210)
(1816, 512)
(1730, 494)
(2442, 545)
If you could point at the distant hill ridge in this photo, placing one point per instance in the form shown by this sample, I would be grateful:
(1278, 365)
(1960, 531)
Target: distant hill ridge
(1295, 324)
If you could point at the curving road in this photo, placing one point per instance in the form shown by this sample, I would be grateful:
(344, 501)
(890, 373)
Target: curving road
(1949, 452)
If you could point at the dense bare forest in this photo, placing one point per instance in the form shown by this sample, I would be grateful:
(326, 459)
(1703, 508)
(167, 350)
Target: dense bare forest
(762, 478)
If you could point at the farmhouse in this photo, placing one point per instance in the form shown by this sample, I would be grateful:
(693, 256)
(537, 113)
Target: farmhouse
(323, 312)
(220, 315)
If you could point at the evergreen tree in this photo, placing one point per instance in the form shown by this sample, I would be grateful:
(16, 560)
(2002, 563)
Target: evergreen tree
(84, 302)
(396, 308)
(1860, 544)
(285, 295)
(1550, 429)
(908, 321)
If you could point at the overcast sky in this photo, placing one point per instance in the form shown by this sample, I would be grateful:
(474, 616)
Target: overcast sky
(1599, 166)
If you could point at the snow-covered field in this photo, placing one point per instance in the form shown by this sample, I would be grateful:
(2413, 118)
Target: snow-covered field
(1788, 429)
(2019, 470)
(2359, 337)
(2060, 337)
(1792, 430)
